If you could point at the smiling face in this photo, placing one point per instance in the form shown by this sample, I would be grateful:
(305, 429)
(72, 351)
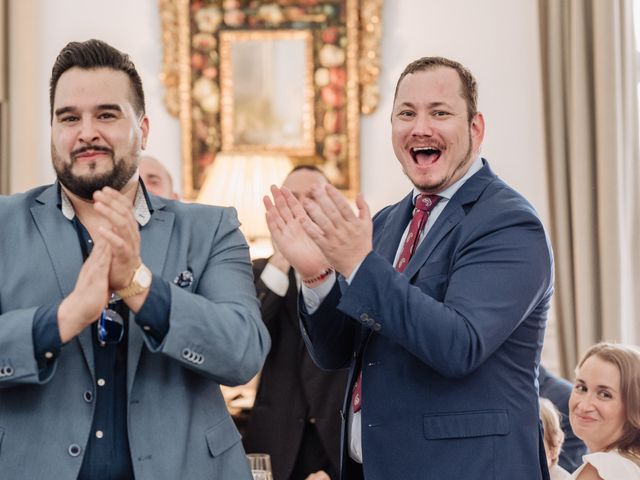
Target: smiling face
(431, 133)
(596, 408)
(96, 136)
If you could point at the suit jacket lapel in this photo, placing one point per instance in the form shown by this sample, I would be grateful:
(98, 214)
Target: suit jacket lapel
(394, 226)
(453, 213)
(154, 244)
(61, 240)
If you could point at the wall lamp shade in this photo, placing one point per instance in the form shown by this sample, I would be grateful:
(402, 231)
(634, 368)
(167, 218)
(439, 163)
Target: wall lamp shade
(240, 180)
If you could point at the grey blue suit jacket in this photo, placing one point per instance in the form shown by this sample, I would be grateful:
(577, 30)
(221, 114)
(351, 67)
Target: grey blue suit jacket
(179, 426)
(449, 349)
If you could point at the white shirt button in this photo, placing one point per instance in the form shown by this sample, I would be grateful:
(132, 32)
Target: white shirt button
(99, 434)
(48, 355)
(146, 328)
(101, 382)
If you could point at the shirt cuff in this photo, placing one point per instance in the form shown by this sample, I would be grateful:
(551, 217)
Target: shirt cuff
(46, 335)
(353, 274)
(153, 317)
(314, 296)
(275, 279)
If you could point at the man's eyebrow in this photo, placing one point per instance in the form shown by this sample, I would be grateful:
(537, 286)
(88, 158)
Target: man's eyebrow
(430, 105)
(104, 106)
(109, 106)
(406, 104)
(62, 110)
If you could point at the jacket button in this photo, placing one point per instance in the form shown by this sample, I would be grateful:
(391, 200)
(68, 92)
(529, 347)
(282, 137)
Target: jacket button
(88, 396)
(74, 450)
(312, 421)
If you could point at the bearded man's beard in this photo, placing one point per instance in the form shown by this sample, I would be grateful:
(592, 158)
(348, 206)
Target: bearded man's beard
(84, 186)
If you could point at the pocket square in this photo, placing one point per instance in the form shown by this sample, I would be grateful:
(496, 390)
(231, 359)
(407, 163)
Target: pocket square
(184, 279)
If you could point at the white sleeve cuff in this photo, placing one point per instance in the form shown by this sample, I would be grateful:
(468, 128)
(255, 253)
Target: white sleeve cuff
(314, 296)
(275, 280)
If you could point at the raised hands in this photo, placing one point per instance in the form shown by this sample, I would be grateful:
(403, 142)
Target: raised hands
(284, 216)
(123, 235)
(321, 231)
(90, 294)
(344, 238)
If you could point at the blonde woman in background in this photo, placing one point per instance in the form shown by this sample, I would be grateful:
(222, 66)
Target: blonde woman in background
(604, 410)
(553, 439)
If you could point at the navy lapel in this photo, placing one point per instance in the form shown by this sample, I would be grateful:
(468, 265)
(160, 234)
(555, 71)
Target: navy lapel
(61, 240)
(395, 223)
(154, 246)
(453, 213)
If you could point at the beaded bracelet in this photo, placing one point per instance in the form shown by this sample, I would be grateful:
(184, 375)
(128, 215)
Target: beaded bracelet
(325, 273)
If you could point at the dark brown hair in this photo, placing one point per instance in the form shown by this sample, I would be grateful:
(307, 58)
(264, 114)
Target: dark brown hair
(94, 54)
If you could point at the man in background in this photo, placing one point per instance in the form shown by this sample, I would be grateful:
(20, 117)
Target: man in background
(296, 415)
(120, 313)
(156, 177)
(438, 304)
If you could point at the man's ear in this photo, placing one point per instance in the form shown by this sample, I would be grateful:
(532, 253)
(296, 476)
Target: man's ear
(144, 127)
(477, 131)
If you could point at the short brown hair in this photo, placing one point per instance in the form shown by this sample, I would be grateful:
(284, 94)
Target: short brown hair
(94, 54)
(469, 85)
(627, 359)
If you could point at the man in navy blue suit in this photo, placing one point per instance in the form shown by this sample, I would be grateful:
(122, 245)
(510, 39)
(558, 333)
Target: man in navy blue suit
(437, 305)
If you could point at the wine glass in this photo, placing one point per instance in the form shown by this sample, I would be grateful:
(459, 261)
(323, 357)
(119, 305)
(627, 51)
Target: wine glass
(260, 464)
(261, 475)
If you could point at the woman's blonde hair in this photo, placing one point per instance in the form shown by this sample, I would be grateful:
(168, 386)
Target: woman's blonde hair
(553, 434)
(626, 358)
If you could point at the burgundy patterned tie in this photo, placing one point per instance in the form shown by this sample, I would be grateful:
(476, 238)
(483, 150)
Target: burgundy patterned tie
(424, 204)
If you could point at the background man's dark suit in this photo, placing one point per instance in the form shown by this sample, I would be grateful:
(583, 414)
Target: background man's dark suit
(295, 398)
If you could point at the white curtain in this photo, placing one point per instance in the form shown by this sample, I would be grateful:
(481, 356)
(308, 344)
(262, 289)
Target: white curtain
(590, 91)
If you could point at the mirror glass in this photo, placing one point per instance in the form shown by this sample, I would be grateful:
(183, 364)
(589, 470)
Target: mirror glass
(267, 91)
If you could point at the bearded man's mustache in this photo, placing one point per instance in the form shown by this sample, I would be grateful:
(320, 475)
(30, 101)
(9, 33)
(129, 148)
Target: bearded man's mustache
(87, 148)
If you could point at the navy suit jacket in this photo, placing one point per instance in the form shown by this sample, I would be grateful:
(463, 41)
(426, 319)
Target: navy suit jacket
(449, 348)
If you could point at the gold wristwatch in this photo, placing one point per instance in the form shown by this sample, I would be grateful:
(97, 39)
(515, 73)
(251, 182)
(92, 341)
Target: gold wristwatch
(140, 282)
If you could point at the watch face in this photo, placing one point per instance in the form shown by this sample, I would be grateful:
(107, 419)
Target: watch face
(144, 277)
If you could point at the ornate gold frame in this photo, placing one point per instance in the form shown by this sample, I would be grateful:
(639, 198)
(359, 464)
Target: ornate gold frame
(360, 33)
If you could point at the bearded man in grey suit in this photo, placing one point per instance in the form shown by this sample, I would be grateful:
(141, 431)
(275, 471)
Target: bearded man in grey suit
(121, 312)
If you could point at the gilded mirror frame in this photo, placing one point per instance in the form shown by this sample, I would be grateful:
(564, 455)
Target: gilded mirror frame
(346, 36)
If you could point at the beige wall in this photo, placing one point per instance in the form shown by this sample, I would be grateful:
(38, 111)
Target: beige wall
(39, 30)
(500, 48)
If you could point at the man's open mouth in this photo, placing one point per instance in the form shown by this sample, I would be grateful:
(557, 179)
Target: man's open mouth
(425, 156)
